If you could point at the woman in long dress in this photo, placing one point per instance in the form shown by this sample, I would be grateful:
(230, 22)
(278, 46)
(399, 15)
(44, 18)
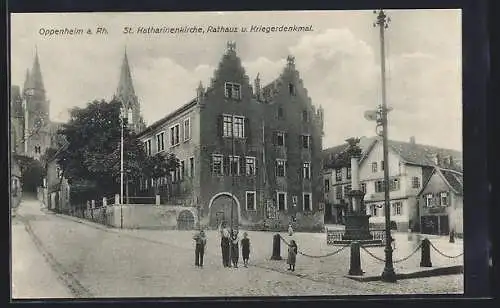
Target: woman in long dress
(292, 255)
(235, 252)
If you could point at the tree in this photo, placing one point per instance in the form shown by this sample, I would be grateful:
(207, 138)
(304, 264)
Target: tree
(160, 166)
(32, 172)
(92, 152)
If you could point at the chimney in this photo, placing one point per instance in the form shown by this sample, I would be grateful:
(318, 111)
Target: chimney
(412, 139)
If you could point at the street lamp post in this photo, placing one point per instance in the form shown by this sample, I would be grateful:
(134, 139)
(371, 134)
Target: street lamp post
(388, 275)
(122, 110)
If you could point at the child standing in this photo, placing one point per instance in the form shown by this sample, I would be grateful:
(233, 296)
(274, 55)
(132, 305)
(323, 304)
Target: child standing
(245, 248)
(292, 255)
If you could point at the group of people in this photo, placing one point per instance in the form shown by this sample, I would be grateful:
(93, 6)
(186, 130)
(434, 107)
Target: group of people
(230, 243)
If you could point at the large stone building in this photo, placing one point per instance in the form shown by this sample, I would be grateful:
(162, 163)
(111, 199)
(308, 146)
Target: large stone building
(410, 165)
(248, 150)
(31, 127)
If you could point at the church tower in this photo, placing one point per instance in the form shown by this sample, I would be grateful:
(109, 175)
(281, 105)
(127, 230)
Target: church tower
(36, 112)
(126, 94)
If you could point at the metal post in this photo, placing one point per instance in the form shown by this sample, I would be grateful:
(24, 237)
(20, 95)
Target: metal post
(388, 275)
(232, 172)
(121, 168)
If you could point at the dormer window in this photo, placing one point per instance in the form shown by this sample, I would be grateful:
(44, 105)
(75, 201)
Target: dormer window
(291, 89)
(232, 90)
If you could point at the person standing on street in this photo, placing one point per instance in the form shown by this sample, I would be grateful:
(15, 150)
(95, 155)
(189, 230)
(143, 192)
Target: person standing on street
(201, 241)
(225, 244)
(235, 251)
(292, 255)
(245, 249)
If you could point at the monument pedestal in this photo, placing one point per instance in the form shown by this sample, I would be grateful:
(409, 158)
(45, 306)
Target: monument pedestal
(357, 227)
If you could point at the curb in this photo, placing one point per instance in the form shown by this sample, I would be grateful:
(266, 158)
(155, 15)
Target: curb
(438, 271)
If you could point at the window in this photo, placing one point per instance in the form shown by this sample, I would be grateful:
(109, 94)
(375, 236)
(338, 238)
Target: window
(280, 167)
(327, 185)
(234, 165)
(307, 201)
(382, 166)
(280, 113)
(306, 141)
(397, 208)
(280, 139)
(394, 184)
(250, 166)
(363, 187)
(347, 189)
(191, 166)
(374, 167)
(187, 129)
(217, 164)
(428, 200)
(160, 142)
(183, 170)
(291, 89)
(415, 182)
(379, 186)
(228, 126)
(239, 127)
(306, 170)
(281, 199)
(147, 146)
(38, 149)
(444, 198)
(338, 175)
(251, 201)
(374, 210)
(338, 192)
(304, 116)
(349, 173)
(174, 135)
(232, 90)
(233, 125)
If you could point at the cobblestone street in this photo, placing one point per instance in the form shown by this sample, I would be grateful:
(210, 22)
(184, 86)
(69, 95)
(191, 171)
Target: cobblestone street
(95, 261)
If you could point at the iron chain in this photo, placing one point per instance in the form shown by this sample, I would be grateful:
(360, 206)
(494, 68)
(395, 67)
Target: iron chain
(394, 261)
(323, 256)
(445, 255)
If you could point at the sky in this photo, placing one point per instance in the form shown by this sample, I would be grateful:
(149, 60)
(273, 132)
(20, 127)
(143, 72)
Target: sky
(339, 63)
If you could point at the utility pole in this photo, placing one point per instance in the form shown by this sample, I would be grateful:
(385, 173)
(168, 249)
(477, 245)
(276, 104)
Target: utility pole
(232, 172)
(388, 275)
(122, 110)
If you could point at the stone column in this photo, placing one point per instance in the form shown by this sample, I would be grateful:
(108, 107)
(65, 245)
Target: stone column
(104, 201)
(157, 200)
(117, 199)
(355, 182)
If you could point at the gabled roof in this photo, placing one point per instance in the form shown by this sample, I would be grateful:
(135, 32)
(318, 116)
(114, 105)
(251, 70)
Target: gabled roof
(422, 155)
(453, 179)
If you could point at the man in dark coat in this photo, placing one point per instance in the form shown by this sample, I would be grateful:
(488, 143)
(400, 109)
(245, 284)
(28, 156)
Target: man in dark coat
(225, 244)
(201, 242)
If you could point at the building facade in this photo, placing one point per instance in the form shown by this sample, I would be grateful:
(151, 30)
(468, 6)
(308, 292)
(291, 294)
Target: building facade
(410, 165)
(249, 155)
(31, 127)
(441, 203)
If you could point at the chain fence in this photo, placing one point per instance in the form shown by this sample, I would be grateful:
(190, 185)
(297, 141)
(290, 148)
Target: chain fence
(394, 261)
(445, 255)
(312, 256)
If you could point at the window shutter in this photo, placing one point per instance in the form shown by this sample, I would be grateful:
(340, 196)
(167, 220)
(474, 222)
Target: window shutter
(211, 165)
(276, 168)
(219, 125)
(225, 167)
(286, 140)
(275, 138)
(242, 165)
(311, 142)
(300, 141)
(248, 132)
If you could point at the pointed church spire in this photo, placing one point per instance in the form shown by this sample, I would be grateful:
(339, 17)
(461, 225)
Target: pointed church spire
(27, 81)
(125, 90)
(36, 80)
